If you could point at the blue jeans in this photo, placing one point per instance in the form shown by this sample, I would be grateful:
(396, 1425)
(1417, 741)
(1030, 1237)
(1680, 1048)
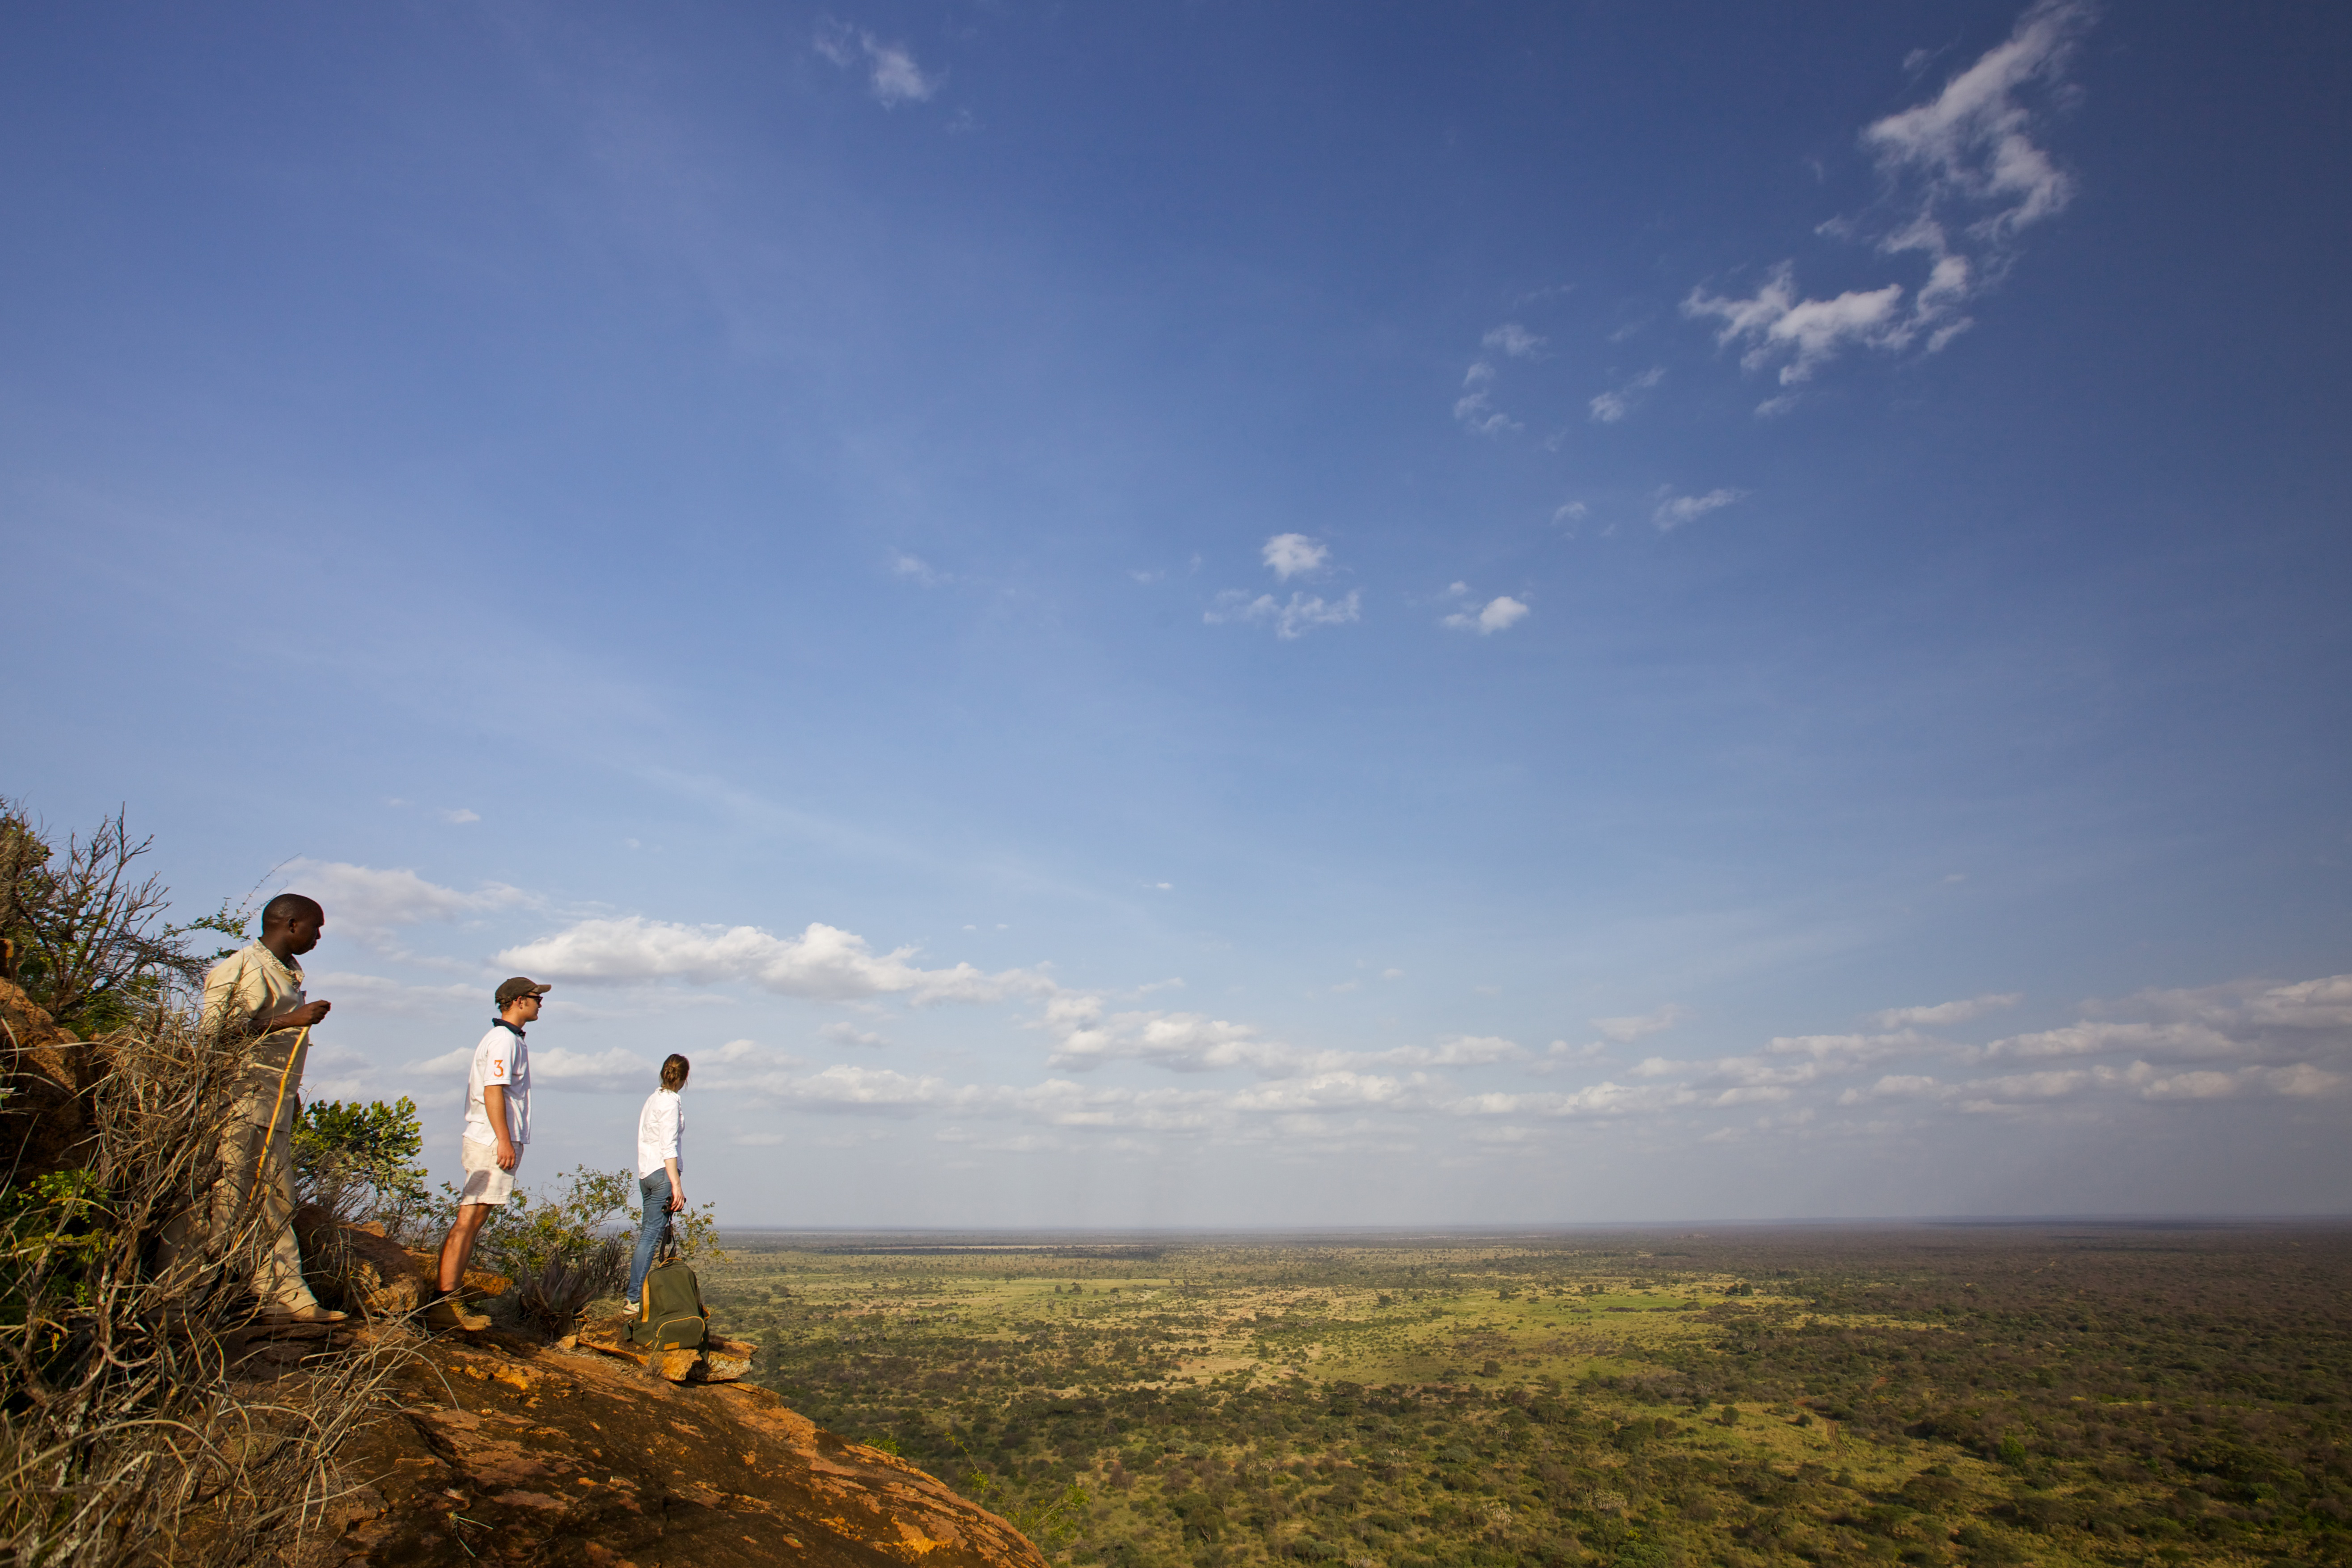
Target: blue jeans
(654, 1190)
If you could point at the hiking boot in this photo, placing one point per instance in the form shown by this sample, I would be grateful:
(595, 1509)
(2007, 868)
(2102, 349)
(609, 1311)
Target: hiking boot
(313, 1313)
(446, 1312)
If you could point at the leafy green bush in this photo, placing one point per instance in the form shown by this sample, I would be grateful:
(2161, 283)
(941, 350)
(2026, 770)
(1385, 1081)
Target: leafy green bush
(359, 1162)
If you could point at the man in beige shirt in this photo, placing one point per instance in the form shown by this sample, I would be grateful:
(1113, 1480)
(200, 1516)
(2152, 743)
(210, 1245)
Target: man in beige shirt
(257, 991)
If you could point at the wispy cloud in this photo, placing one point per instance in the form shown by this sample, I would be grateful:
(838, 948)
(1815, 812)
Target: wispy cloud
(1302, 613)
(1474, 408)
(1672, 511)
(1287, 555)
(1963, 176)
(1943, 1013)
(1614, 405)
(1971, 145)
(2281, 1043)
(823, 962)
(1291, 556)
(1496, 614)
(366, 902)
(1513, 340)
(915, 569)
(1777, 324)
(1636, 1026)
(892, 75)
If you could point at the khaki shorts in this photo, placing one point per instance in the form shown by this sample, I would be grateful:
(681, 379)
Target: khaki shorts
(484, 1183)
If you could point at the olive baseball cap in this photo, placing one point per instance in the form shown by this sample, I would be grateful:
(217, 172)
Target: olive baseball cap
(519, 987)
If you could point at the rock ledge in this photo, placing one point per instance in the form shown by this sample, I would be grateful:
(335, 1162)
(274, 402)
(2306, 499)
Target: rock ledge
(501, 1451)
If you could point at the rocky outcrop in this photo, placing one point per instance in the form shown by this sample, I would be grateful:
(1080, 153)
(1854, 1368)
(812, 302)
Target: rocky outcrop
(718, 1359)
(48, 1075)
(355, 1267)
(504, 1452)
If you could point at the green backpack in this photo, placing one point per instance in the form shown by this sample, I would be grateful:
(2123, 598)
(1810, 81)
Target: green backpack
(670, 1306)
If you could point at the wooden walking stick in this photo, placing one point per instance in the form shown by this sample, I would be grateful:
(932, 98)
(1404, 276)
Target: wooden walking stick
(269, 1131)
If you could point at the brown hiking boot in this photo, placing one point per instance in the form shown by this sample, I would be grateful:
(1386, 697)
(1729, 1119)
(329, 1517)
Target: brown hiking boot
(446, 1312)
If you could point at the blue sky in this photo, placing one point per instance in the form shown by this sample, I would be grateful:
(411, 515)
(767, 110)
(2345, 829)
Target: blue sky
(1275, 614)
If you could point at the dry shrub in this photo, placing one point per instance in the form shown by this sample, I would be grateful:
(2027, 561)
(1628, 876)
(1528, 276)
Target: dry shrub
(130, 1431)
(552, 1297)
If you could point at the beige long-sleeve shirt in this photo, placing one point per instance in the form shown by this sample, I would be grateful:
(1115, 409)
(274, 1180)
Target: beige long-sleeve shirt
(254, 983)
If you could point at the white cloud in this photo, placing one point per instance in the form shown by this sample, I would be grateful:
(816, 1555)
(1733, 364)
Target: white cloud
(367, 902)
(1471, 1050)
(1971, 143)
(1290, 555)
(824, 963)
(1674, 510)
(611, 1071)
(914, 568)
(1087, 1036)
(1807, 332)
(1622, 1031)
(2181, 1041)
(893, 76)
(1944, 1011)
(2256, 1007)
(845, 1034)
(376, 994)
(1477, 414)
(1610, 406)
(458, 1061)
(459, 815)
(1600, 1099)
(2301, 1080)
(1513, 340)
(1571, 511)
(1963, 175)
(1895, 1086)
(1495, 615)
(1303, 614)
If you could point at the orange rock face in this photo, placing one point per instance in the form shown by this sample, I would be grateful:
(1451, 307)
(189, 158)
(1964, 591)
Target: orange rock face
(48, 1074)
(567, 1456)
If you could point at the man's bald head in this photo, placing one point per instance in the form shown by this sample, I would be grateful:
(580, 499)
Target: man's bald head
(281, 912)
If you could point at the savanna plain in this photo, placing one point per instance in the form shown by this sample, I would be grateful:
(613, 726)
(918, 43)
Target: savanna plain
(2086, 1394)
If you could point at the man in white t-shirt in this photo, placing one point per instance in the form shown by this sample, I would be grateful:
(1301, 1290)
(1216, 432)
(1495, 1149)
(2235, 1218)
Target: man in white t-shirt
(498, 1127)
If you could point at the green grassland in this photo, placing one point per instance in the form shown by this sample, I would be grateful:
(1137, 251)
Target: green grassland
(1987, 1394)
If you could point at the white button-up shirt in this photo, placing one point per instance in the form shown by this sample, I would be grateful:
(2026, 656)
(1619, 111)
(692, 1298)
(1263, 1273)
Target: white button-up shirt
(661, 1132)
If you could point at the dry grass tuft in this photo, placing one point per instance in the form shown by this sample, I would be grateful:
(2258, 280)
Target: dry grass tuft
(143, 1419)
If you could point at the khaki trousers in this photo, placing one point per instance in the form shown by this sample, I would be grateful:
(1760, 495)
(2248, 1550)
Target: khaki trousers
(257, 1181)
(257, 1170)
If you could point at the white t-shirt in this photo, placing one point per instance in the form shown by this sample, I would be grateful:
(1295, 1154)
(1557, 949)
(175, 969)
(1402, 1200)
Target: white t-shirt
(501, 1059)
(661, 1132)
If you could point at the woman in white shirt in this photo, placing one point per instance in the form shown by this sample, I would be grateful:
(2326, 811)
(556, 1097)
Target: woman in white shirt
(661, 1179)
